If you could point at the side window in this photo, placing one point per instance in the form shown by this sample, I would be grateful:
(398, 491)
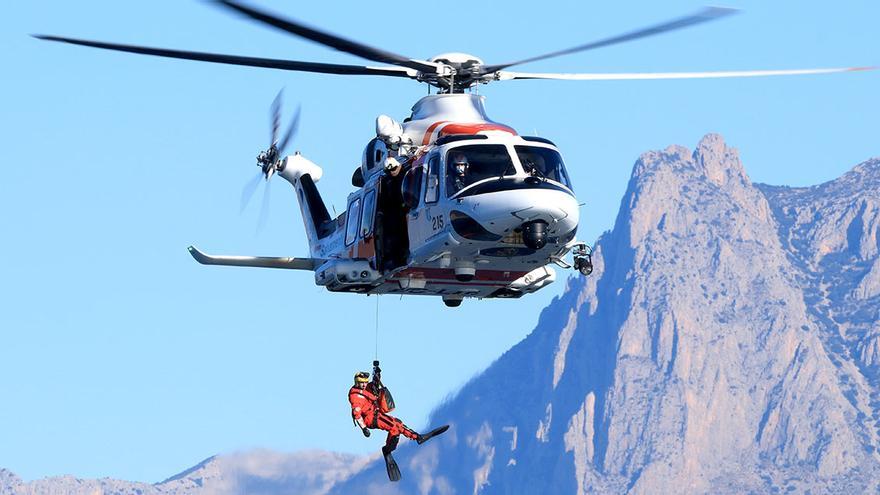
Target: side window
(432, 191)
(367, 214)
(353, 216)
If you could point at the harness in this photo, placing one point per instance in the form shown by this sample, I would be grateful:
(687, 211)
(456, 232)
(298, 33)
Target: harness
(369, 396)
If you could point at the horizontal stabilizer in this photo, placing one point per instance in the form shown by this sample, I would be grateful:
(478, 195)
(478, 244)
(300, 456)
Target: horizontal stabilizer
(257, 261)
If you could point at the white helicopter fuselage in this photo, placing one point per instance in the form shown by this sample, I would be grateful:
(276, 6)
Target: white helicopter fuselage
(453, 235)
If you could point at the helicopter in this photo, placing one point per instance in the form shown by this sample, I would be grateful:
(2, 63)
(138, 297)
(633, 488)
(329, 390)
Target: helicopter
(447, 202)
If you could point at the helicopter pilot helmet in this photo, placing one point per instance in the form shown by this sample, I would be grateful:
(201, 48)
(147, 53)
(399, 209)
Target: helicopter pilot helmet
(460, 163)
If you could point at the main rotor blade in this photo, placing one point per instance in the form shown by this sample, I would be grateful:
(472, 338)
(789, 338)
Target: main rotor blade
(505, 75)
(331, 40)
(291, 131)
(269, 63)
(705, 15)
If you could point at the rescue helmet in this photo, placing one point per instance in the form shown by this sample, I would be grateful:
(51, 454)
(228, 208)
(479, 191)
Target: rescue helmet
(361, 377)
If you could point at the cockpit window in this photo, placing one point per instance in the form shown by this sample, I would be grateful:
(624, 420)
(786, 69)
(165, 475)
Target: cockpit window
(466, 165)
(543, 162)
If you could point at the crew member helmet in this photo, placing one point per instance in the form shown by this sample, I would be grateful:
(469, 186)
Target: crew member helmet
(361, 377)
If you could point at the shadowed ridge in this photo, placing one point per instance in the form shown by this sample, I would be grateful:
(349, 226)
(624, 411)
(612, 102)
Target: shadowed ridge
(188, 472)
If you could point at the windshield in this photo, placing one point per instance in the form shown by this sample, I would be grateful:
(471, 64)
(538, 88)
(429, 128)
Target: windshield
(467, 165)
(543, 162)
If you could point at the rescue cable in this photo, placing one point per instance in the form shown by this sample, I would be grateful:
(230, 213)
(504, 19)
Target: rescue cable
(377, 328)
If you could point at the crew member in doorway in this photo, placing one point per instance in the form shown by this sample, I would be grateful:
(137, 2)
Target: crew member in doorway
(370, 404)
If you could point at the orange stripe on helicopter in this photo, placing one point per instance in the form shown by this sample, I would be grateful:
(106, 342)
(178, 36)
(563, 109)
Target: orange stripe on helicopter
(454, 128)
(474, 129)
(366, 248)
(430, 131)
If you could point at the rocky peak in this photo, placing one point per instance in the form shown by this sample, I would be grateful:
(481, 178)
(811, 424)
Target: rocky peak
(668, 187)
(720, 163)
(712, 159)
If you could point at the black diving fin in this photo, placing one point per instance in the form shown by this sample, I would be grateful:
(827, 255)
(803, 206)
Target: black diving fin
(391, 467)
(431, 434)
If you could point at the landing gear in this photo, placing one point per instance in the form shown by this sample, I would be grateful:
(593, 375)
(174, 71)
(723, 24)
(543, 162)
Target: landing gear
(583, 259)
(452, 302)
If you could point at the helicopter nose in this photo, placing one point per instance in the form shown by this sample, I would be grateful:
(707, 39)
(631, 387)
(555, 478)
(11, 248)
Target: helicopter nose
(554, 215)
(555, 208)
(538, 214)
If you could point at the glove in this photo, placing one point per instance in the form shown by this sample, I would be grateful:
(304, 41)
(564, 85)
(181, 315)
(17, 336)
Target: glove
(366, 432)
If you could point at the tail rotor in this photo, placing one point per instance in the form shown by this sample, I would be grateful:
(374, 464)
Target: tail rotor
(269, 160)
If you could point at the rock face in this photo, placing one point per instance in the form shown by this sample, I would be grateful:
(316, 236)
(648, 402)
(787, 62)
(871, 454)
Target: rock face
(727, 342)
(255, 472)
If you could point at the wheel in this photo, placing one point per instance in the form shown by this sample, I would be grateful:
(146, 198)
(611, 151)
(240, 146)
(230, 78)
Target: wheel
(584, 265)
(452, 303)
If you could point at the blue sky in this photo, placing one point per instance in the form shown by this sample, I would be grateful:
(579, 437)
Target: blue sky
(120, 356)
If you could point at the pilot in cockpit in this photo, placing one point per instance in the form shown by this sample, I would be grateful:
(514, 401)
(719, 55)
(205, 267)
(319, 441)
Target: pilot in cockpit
(534, 165)
(460, 166)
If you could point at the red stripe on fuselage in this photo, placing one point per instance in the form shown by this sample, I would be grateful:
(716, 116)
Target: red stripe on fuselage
(474, 129)
(455, 128)
(430, 131)
(501, 276)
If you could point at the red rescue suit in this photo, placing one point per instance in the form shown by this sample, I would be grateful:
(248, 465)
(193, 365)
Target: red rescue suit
(366, 413)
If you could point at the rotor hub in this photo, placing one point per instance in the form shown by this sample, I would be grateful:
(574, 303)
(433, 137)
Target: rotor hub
(457, 60)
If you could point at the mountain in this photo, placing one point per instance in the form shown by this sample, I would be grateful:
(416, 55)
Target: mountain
(727, 342)
(255, 472)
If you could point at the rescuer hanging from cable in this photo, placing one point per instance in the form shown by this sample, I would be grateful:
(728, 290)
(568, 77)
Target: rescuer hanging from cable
(370, 404)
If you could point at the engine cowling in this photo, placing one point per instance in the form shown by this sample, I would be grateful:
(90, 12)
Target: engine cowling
(295, 166)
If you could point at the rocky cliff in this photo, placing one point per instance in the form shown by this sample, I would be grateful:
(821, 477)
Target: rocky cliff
(727, 342)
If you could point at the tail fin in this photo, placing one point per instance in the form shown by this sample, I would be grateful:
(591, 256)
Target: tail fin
(303, 174)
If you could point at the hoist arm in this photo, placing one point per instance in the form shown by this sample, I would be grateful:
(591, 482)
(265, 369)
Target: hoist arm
(377, 373)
